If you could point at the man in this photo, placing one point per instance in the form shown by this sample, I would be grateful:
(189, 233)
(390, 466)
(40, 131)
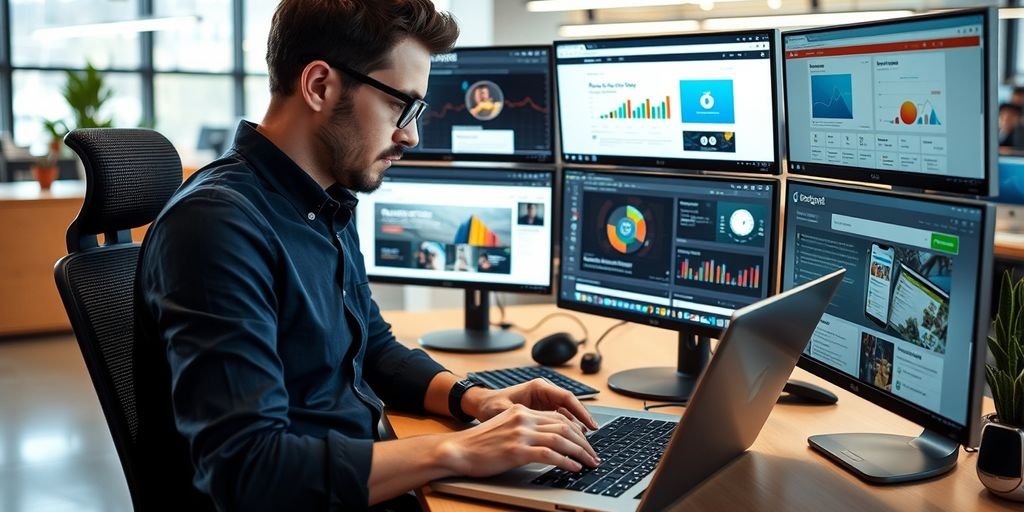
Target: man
(530, 218)
(1009, 126)
(252, 285)
(484, 106)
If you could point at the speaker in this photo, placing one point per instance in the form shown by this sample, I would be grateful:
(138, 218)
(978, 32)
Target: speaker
(1000, 460)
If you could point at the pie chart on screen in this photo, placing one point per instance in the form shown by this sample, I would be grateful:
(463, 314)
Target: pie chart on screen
(627, 229)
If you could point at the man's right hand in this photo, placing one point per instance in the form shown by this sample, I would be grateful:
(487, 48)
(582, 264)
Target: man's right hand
(517, 436)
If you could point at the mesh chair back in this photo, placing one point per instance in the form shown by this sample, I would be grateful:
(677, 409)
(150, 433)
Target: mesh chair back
(130, 175)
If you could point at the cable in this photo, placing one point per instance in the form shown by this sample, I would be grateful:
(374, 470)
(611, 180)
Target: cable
(597, 344)
(648, 407)
(509, 325)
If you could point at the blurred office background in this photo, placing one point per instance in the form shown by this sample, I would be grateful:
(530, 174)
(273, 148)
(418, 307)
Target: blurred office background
(182, 66)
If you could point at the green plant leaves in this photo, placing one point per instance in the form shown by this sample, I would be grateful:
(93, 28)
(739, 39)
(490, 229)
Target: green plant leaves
(86, 93)
(1006, 344)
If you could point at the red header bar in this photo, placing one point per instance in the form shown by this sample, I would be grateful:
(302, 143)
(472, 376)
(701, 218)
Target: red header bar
(928, 44)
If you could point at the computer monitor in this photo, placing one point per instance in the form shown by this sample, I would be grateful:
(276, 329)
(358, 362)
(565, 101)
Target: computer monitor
(705, 101)
(908, 102)
(907, 328)
(478, 229)
(489, 104)
(674, 251)
(1010, 207)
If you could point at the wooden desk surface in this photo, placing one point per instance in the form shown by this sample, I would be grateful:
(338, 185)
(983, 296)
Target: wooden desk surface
(780, 472)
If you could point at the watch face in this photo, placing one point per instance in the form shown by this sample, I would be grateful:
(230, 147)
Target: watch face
(741, 222)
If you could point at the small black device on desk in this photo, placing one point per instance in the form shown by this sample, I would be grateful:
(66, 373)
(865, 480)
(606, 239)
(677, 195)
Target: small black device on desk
(506, 377)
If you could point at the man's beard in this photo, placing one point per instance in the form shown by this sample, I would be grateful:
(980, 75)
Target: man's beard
(340, 140)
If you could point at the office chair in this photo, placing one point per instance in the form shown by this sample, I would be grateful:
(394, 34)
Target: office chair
(130, 175)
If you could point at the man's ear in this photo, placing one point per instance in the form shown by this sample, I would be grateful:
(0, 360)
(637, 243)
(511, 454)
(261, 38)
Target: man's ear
(316, 86)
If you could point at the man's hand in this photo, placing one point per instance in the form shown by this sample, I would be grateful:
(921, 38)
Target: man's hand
(514, 437)
(484, 404)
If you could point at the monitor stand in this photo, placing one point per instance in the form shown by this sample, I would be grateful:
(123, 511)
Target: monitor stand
(677, 384)
(666, 383)
(887, 458)
(477, 336)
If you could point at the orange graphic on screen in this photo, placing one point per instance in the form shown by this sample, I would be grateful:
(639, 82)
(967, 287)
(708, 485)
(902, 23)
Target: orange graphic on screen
(627, 229)
(908, 112)
(474, 232)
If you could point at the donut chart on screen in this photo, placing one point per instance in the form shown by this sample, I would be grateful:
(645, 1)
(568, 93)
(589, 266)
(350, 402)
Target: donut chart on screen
(627, 229)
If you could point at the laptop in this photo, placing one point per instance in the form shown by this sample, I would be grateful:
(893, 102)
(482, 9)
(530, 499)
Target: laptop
(651, 460)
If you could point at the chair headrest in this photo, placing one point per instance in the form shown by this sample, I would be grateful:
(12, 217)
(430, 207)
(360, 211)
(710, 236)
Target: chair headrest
(130, 174)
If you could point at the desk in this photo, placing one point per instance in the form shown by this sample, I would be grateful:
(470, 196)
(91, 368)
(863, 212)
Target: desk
(780, 472)
(1009, 246)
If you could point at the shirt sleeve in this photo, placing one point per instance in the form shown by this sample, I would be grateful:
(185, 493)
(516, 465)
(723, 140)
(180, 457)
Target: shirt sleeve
(205, 278)
(399, 375)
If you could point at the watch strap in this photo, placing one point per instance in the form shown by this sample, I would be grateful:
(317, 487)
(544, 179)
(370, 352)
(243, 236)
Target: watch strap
(455, 400)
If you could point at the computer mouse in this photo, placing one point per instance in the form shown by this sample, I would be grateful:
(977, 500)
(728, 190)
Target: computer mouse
(555, 349)
(590, 363)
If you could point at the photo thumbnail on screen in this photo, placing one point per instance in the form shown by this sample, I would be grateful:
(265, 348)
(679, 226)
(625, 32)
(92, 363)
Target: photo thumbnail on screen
(488, 104)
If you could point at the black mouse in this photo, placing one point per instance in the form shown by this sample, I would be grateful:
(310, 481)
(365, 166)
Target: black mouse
(590, 363)
(555, 349)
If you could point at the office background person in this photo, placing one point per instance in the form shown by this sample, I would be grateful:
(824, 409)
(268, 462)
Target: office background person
(252, 285)
(530, 214)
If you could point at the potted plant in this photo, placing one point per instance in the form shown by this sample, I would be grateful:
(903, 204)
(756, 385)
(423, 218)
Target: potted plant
(1001, 454)
(44, 170)
(85, 93)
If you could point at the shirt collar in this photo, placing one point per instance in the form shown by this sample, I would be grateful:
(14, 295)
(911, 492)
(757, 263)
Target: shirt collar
(273, 166)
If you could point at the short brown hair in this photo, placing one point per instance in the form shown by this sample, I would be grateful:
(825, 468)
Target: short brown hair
(358, 33)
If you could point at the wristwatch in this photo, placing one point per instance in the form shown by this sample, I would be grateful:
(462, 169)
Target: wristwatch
(455, 400)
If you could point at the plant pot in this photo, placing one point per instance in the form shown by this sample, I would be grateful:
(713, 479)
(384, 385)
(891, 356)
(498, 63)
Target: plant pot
(1001, 459)
(45, 176)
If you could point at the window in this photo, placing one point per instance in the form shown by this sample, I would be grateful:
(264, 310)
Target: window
(185, 103)
(45, 35)
(200, 45)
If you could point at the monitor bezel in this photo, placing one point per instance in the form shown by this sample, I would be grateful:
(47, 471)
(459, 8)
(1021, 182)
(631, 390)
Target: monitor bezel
(688, 164)
(968, 433)
(489, 157)
(668, 323)
(483, 285)
(986, 186)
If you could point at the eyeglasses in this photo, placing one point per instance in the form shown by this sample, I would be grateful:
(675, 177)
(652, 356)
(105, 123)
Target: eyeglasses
(414, 107)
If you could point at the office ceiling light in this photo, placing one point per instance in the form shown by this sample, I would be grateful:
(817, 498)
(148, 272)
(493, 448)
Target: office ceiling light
(620, 29)
(800, 20)
(116, 27)
(774, 4)
(583, 5)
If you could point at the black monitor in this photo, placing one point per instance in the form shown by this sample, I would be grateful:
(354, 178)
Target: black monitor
(478, 229)
(703, 101)
(489, 104)
(908, 102)
(678, 252)
(906, 330)
(214, 138)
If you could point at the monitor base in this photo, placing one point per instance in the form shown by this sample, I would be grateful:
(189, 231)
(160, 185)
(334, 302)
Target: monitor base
(887, 458)
(465, 340)
(665, 384)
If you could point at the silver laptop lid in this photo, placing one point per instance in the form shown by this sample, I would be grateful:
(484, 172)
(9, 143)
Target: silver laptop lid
(733, 399)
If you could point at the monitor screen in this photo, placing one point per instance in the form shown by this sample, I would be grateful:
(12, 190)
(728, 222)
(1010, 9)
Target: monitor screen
(488, 104)
(705, 102)
(905, 329)
(468, 228)
(909, 102)
(677, 251)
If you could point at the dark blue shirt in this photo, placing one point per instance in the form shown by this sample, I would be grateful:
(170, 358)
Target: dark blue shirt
(253, 281)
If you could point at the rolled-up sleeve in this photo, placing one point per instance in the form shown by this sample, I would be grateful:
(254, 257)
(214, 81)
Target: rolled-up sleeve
(206, 279)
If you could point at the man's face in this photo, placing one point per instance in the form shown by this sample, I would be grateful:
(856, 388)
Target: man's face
(361, 138)
(1008, 120)
(531, 211)
(483, 94)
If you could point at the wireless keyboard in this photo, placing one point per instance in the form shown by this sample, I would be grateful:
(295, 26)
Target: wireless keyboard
(505, 377)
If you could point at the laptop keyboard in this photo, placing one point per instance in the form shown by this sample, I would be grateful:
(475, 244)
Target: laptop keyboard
(506, 377)
(629, 449)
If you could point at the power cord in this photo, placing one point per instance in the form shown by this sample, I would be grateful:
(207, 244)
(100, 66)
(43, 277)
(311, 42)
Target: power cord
(597, 344)
(509, 325)
(648, 407)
